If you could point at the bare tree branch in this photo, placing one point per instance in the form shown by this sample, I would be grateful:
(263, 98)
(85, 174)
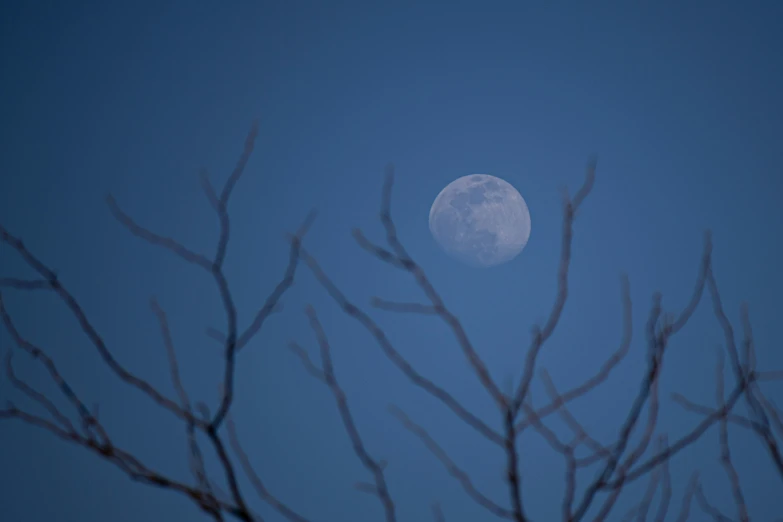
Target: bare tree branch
(773, 411)
(605, 370)
(741, 373)
(87, 327)
(540, 335)
(451, 467)
(437, 513)
(137, 471)
(685, 507)
(725, 453)
(689, 405)
(410, 308)
(681, 443)
(24, 284)
(709, 508)
(89, 421)
(272, 303)
(666, 485)
(393, 355)
(400, 259)
(570, 420)
(652, 487)
(196, 458)
(231, 341)
(327, 376)
(34, 394)
(657, 342)
(628, 457)
(156, 239)
(635, 454)
(258, 484)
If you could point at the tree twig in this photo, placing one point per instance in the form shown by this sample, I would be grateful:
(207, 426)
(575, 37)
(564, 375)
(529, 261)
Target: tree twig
(326, 374)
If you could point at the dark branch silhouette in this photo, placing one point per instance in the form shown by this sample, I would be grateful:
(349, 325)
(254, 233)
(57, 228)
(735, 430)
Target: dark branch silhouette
(92, 434)
(639, 450)
(326, 374)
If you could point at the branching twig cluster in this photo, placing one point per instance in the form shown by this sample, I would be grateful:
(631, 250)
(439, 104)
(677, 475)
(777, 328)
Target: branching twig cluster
(619, 463)
(89, 432)
(638, 450)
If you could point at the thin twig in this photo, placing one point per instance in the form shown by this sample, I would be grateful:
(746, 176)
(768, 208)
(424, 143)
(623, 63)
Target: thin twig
(196, 459)
(683, 442)
(124, 461)
(541, 335)
(570, 420)
(375, 467)
(87, 326)
(603, 373)
(89, 421)
(725, 452)
(685, 506)
(24, 284)
(400, 258)
(708, 508)
(393, 355)
(255, 479)
(666, 485)
(652, 487)
(657, 341)
(409, 308)
(35, 395)
(734, 418)
(451, 467)
(741, 373)
(437, 513)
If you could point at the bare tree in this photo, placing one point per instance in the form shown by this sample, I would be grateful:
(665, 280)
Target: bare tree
(617, 463)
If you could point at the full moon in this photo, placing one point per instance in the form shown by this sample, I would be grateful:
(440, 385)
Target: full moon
(480, 220)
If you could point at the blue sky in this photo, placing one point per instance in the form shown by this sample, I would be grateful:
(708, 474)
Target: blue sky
(681, 103)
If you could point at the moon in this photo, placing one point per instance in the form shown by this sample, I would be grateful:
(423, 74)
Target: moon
(480, 220)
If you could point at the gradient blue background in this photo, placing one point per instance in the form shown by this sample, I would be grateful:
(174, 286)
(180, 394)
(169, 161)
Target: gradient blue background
(681, 103)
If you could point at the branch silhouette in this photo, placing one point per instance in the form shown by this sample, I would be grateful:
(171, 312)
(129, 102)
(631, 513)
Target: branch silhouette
(617, 466)
(92, 435)
(637, 451)
(326, 374)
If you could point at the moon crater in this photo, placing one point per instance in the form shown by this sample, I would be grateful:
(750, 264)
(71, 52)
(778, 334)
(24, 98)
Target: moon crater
(480, 220)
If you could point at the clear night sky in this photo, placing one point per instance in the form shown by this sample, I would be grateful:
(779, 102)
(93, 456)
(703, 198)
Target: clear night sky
(681, 103)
